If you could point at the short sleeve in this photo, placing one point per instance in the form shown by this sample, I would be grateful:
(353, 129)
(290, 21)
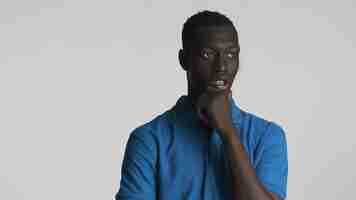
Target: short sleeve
(138, 168)
(272, 160)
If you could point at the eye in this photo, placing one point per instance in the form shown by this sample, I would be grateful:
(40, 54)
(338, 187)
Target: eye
(207, 54)
(231, 55)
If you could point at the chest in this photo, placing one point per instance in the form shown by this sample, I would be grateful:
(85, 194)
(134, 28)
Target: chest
(194, 169)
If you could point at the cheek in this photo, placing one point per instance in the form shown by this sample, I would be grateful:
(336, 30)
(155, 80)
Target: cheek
(234, 67)
(202, 71)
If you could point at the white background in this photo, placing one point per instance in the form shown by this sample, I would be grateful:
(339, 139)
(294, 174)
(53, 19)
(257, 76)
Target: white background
(77, 76)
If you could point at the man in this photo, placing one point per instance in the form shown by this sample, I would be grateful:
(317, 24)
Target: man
(205, 147)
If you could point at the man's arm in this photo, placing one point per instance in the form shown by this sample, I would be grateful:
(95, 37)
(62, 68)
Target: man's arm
(269, 180)
(246, 182)
(138, 167)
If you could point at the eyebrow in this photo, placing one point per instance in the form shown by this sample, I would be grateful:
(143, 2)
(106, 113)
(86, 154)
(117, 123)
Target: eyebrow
(237, 47)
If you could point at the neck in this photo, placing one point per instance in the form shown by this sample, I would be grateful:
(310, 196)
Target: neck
(193, 95)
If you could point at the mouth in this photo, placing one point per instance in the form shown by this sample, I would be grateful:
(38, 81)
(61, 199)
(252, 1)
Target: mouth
(218, 85)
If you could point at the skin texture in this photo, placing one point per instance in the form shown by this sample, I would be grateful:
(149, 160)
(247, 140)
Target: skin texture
(214, 55)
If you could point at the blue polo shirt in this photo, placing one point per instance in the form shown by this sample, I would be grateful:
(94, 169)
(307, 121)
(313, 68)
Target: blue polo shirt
(173, 158)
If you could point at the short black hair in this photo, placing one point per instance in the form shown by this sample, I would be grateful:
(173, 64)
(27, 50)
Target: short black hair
(203, 19)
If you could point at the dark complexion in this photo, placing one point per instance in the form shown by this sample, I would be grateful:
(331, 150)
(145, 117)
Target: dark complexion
(213, 55)
(213, 58)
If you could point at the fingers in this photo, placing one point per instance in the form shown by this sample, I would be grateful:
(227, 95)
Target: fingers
(205, 100)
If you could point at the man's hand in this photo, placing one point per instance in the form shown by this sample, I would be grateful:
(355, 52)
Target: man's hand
(213, 108)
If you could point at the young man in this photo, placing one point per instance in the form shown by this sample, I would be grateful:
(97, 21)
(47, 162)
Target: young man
(205, 147)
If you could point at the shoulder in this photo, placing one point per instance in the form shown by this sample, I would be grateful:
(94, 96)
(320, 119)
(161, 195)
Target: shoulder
(261, 128)
(154, 129)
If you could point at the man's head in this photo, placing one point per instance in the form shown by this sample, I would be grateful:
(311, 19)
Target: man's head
(210, 53)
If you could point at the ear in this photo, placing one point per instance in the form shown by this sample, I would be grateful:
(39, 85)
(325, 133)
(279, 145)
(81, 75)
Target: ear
(182, 60)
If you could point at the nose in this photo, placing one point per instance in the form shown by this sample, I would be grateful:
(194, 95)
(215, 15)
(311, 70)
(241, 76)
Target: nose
(221, 64)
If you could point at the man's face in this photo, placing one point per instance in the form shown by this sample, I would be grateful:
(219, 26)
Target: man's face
(213, 59)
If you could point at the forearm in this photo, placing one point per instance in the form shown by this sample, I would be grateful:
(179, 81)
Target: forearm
(245, 183)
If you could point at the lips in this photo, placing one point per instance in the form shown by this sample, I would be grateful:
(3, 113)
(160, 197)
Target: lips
(219, 84)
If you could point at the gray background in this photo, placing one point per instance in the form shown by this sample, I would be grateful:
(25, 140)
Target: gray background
(75, 76)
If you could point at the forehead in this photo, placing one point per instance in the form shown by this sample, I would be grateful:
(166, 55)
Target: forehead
(216, 36)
